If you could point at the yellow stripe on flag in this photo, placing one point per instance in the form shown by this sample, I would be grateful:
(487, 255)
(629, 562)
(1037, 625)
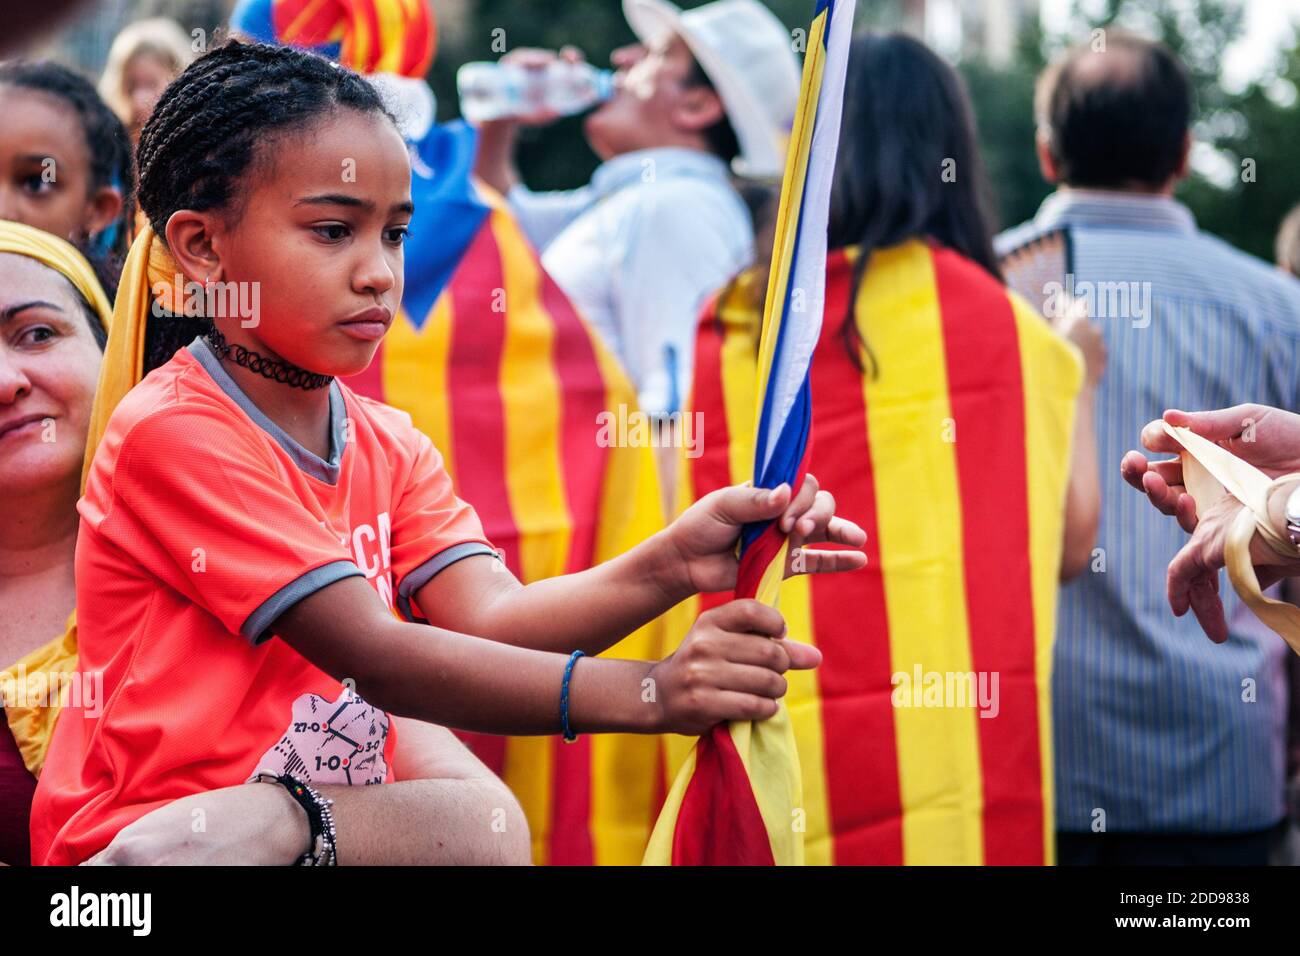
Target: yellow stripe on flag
(803, 701)
(528, 772)
(1052, 378)
(530, 398)
(392, 25)
(415, 375)
(910, 426)
(625, 767)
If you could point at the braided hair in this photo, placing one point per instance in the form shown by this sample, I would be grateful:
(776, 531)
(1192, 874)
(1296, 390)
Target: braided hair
(107, 144)
(208, 128)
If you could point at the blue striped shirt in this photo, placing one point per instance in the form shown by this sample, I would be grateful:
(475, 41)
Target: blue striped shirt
(1155, 726)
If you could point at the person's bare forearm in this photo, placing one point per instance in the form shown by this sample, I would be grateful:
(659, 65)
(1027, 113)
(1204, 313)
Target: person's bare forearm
(1083, 494)
(444, 677)
(429, 822)
(494, 160)
(590, 610)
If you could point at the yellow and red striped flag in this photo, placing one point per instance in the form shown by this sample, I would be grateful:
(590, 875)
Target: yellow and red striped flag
(738, 795)
(368, 36)
(954, 459)
(510, 383)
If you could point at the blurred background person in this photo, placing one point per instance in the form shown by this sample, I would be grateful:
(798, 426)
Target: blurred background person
(27, 21)
(54, 318)
(65, 160)
(1169, 749)
(1286, 249)
(660, 227)
(144, 58)
(943, 413)
(53, 325)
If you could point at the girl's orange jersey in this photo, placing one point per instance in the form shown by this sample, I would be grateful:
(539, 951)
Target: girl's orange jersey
(202, 523)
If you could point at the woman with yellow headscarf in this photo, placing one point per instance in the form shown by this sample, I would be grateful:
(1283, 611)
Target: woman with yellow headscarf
(53, 322)
(52, 417)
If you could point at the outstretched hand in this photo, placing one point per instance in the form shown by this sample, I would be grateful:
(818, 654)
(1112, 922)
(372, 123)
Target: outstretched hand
(1267, 438)
(704, 537)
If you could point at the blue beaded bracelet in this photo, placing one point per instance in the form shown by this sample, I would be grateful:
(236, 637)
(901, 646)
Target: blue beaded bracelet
(569, 735)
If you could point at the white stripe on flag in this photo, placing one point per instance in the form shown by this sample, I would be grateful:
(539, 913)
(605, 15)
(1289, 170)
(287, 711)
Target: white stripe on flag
(808, 272)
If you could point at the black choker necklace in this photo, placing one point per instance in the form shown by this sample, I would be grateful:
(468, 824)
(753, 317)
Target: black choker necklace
(281, 372)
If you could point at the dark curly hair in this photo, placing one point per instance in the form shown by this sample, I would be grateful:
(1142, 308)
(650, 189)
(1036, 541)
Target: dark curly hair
(107, 143)
(211, 124)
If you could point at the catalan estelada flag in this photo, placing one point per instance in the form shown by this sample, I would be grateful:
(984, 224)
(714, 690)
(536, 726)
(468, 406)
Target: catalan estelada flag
(737, 797)
(925, 736)
(511, 385)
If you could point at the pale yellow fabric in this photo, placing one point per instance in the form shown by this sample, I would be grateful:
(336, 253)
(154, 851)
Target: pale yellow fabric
(1210, 471)
(29, 709)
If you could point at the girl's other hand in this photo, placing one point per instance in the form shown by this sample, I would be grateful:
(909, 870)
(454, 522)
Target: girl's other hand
(253, 824)
(704, 538)
(728, 668)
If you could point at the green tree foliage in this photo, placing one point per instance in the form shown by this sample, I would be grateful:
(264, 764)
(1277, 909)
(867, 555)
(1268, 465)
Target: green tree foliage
(1240, 189)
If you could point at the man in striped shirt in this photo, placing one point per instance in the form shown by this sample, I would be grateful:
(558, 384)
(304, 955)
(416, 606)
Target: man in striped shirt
(1169, 749)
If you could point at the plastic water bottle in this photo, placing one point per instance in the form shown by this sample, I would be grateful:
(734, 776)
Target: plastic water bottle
(490, 91)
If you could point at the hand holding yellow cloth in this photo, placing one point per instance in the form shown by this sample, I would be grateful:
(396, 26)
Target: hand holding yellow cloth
(1210, 472)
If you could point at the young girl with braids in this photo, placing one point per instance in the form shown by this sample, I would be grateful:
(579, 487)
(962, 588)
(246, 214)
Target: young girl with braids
(65, 162)
(251, 530)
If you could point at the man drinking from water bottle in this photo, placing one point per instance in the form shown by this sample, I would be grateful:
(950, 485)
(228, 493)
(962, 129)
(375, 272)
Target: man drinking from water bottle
(706, 93)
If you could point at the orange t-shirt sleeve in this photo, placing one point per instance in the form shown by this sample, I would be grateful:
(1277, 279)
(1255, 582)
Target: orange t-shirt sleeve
(201, 506)
(432, 527)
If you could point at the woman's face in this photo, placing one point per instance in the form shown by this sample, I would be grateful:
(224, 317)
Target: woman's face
(45, 171)
(143, 81)
(49, 367)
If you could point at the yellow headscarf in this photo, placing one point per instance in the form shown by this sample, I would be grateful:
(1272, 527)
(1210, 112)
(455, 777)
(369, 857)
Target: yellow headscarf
(31, 716)
(62, 257)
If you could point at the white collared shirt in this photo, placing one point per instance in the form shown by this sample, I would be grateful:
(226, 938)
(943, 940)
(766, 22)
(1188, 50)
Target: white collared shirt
(639, 251)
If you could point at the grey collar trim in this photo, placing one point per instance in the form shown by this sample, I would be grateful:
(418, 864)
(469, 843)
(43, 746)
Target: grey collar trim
(307, 461)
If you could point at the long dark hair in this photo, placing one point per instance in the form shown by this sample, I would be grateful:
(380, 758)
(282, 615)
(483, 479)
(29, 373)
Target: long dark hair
(908, 165)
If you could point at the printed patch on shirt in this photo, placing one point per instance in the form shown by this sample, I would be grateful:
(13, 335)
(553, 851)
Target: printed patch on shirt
(331, 743)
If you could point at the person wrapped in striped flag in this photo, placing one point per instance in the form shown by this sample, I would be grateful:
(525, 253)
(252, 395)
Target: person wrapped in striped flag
(944, 415)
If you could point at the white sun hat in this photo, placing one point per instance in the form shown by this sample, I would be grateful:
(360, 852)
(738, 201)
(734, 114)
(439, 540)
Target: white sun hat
(748, 56)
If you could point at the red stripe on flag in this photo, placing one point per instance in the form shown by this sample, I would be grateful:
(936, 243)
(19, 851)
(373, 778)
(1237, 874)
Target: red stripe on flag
(583, 465)
(719, 823)
(849, 614)
(571, 843)
(477, 415)
(583, 387)
(419, 41)
(711, 469)
(370, 383)
(982, 352)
